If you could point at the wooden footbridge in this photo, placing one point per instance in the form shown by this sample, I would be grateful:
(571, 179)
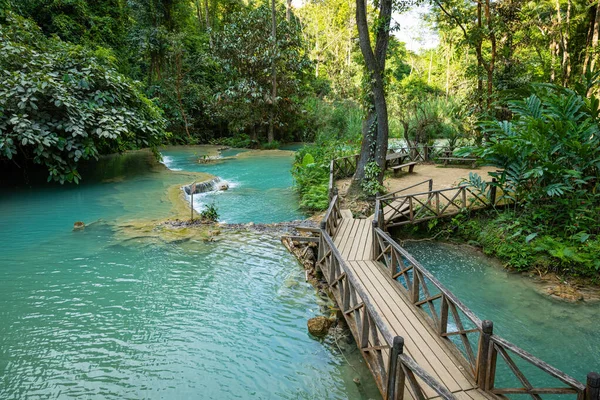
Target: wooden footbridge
(419, 340)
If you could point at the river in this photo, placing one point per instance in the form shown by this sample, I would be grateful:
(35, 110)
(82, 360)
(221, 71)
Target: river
(107, 313)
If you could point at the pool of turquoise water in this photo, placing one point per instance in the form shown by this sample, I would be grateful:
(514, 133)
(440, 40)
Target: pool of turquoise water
(565, 335)
(106, 314)
(260, 184)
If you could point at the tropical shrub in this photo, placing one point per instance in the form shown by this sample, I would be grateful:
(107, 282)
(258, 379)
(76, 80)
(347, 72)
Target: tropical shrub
(548, 160)
(210, 213)
(61, 103)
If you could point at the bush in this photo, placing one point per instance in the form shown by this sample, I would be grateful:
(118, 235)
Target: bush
(210, 213)
(311, 169)
(61, 103)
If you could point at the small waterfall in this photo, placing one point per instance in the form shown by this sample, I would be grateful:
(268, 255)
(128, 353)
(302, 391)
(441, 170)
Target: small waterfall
(203, 187)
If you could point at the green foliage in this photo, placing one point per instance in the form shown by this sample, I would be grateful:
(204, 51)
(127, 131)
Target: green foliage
(250, 59)
(548, 156)
(274, 145)
(210, 213)
(311, 167)
(370, 184)
(240, 141)
(60, 103)
(549, 150)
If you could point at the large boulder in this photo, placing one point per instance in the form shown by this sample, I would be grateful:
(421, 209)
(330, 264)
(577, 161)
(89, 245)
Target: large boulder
(319, 326)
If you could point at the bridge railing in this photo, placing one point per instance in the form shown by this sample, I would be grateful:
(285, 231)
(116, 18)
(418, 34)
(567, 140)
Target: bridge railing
(342, 167)
(470, 337)
(423, 206)
(393, 370)
(333, 217)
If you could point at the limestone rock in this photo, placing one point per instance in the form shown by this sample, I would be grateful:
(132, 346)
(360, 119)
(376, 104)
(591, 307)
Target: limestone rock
(78, 226)
(319, 326)
(223, 186)
(565, 292)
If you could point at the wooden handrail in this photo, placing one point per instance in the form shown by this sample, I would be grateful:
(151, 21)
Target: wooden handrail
(500, 346)
(366, 324)
(483, 362)
(447, 293)
(429, 181)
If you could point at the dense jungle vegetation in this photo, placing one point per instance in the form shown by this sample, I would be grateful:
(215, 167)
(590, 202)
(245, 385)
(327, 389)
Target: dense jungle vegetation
(513, 81)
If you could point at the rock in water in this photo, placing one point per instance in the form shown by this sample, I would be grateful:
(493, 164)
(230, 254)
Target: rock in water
(224, 186)
(319, 326)
(78, 226)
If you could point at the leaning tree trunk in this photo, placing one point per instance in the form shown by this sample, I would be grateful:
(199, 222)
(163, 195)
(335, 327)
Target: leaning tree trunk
(375, 126)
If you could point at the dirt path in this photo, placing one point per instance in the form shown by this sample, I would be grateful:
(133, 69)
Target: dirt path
(443, 178)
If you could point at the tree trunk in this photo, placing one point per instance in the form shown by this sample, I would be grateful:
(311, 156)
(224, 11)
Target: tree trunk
(588, 41)
(448, 70)
(199, 12)
(271, 133)
(375, 141)
(492, 63)
(207, 16)
(288, 10)
(594, 49)
(565, 63)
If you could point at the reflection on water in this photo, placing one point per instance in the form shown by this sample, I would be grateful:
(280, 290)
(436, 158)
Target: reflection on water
(88, 315)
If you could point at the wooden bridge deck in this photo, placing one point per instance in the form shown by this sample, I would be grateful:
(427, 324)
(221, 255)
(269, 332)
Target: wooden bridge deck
(354, 242)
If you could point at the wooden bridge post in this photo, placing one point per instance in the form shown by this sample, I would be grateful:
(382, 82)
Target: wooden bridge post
(483, 356)
(375, 243)
(395, 389)
(592, 389)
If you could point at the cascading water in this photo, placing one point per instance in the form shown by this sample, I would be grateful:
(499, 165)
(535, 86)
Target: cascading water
(206, 186)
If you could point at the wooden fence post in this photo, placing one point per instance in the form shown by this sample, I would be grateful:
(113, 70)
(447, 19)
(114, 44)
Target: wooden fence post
(375, 243)
(493, 192)
(483, 354)
(592, 389)
(396, 374)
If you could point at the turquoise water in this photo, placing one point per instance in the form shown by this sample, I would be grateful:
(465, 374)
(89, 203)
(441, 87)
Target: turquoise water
(260, 191)
(565, 335)
(111, 313)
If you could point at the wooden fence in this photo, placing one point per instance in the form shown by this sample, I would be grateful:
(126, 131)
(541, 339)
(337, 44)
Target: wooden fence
(343, 167)
(395, 210)
(470, 337)
(382, 351)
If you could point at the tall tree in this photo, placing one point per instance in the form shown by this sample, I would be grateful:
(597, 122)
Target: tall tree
(375, 125)
(271, 134)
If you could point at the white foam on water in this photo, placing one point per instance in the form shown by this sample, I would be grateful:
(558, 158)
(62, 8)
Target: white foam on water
(168, 162)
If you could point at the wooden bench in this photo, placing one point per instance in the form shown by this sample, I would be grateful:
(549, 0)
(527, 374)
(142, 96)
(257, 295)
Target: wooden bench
(394, 159)
(473, 161)
(410, 165)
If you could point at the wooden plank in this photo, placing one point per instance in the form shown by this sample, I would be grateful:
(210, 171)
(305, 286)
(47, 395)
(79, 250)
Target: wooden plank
(359, 240)
(346, 214)
(339, 235)
(415, 329)
(303, 238)
(418, 348)
(367, 250)
(343, 239)
(347, 244)
(410, 348)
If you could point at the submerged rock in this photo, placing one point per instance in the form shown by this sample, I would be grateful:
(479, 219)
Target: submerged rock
(565, 292)
(319, 326)
(78, 226)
